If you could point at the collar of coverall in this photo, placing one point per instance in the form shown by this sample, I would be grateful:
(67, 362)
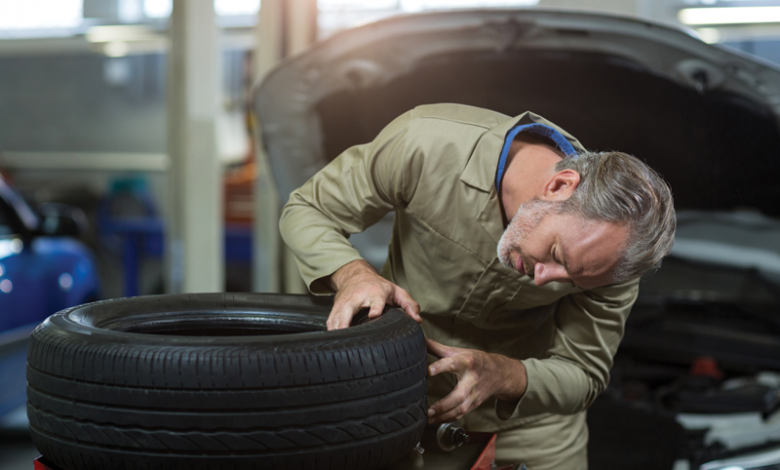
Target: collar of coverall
(480, 171)
(542, 130)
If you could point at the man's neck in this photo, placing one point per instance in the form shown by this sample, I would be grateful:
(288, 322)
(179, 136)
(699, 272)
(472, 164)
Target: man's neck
(531, 162)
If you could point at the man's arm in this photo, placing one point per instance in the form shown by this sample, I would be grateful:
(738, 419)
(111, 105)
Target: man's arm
(353, 192)
(589, 327)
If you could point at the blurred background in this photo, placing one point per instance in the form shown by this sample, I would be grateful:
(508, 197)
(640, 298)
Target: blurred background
(85, 117)
(133, 116)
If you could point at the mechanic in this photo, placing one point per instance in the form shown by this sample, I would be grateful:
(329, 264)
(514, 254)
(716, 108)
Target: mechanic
(521, 250)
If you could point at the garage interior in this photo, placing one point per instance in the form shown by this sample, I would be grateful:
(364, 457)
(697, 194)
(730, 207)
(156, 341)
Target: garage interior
(153, 119)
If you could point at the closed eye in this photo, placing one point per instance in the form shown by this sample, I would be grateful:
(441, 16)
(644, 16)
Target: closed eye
(557, 260)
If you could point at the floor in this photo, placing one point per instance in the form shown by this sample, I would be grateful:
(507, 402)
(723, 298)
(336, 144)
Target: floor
(17, 450)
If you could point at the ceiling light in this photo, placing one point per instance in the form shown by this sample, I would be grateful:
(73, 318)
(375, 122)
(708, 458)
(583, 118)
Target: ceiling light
(120, 33)
(116, 49)
(236, 7)
(729, 15)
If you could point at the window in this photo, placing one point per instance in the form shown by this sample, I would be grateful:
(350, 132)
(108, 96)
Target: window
(339, 14)
(30, 18)
(162, 8)
(58, 18)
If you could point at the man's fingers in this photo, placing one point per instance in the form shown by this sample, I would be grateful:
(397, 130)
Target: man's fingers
(334, 321)
(406, 302)
(343, 312)
(377, 306)
(447, 365)
(438, 367)
(373, 294)
(453, 414)
(453, 406)
(465, 396)
(332, 318)
(340, 317)
(444, 406)
(439, 350)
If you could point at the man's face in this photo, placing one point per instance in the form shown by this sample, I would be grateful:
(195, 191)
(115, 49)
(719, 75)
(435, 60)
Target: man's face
(548, 246)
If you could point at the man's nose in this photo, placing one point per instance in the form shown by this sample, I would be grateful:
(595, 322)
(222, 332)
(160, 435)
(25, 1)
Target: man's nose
(544, 274)
(541, 274)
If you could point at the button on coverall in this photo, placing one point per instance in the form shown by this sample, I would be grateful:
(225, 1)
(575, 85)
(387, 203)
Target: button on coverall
(435, 167)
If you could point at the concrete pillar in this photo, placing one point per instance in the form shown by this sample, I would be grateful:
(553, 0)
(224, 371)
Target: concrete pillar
(285, 27)
(269, 50)
(195, 230)
(302, 21)
(302, 31)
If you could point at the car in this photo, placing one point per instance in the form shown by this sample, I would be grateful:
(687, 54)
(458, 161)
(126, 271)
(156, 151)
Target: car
(43, 269)
(696, 381)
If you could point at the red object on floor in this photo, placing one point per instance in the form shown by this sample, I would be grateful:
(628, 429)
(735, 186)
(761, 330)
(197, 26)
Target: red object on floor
(40, 465)
(487, 457)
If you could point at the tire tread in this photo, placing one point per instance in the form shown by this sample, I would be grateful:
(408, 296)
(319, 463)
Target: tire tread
(98, 399)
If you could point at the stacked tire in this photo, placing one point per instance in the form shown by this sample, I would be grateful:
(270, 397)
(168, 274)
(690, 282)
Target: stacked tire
(224, 381)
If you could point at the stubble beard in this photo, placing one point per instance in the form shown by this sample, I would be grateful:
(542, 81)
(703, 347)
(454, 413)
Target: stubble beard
(528, 216)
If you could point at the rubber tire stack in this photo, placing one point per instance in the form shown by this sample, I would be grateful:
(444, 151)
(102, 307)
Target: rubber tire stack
(163, 382)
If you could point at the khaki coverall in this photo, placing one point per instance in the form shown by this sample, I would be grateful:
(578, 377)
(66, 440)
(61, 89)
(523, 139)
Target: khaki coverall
(435, 167)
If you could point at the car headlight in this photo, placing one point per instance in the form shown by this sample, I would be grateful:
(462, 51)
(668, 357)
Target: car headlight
(766, 459)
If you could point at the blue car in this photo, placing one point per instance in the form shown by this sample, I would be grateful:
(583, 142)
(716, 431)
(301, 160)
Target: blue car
(43, 269)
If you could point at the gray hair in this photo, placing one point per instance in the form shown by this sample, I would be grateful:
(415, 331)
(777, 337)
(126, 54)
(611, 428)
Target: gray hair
(619, 188)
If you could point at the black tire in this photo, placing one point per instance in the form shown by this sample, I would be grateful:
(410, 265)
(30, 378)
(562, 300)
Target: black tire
(165, 382)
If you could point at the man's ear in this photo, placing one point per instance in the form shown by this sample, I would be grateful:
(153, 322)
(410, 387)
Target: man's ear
(560, 186)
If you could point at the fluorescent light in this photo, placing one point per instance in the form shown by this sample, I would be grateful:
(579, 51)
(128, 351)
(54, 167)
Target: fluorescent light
(236, 7)
(163, 8)
(116, 49)
(729, 15)
(120, 33)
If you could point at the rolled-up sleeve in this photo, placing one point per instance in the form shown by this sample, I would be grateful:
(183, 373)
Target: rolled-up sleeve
(588, 329)
(350, 194)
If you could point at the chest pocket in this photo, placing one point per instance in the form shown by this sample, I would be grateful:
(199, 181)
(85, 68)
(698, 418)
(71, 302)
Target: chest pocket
(495, 288)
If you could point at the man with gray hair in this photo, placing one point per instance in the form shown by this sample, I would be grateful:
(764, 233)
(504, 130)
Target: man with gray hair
(520, 250)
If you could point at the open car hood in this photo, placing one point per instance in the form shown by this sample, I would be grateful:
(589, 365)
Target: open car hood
(704, 116)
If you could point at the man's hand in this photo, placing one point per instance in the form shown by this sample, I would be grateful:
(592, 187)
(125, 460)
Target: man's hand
(359, 286)
(480, 376)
